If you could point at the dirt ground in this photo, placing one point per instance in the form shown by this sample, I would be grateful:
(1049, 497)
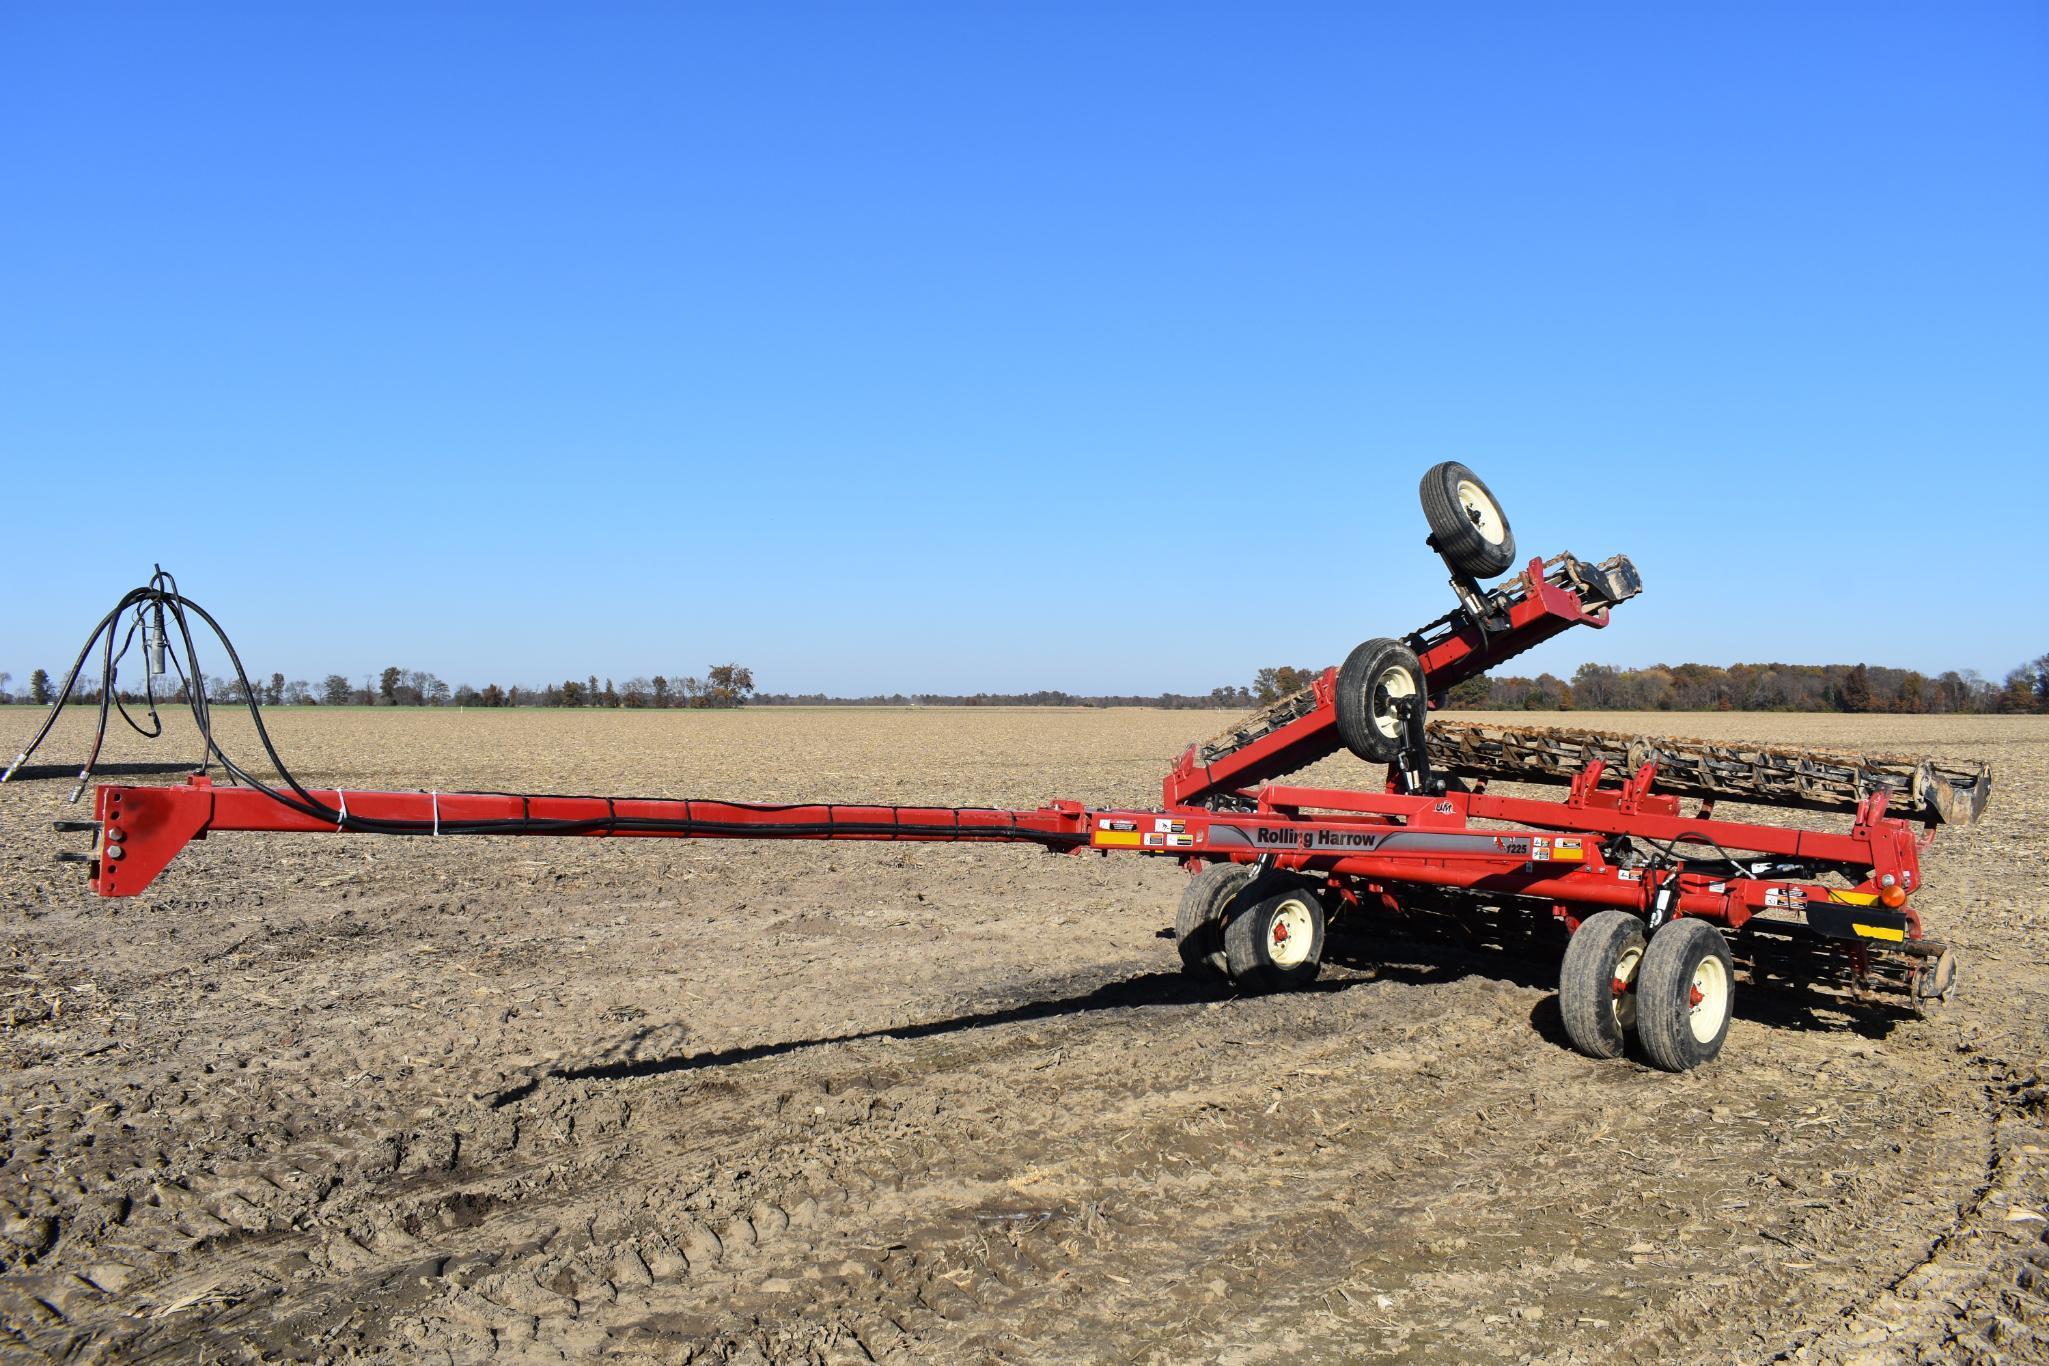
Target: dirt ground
(346, 1097)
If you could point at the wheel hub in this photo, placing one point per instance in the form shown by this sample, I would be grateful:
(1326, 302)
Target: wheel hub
(1289, 938)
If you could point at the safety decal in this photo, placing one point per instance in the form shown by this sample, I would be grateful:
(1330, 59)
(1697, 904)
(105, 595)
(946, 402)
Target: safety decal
(1116, 835)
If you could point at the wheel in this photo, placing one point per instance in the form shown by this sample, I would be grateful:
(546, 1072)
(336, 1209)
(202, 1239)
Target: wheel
(1468, 525)
(1277, 941)
(1684, 988)
(1597, 983)
(1374, 677)
(1197, 931)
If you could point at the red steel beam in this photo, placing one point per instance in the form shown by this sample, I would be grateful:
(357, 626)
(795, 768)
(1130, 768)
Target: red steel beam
(1387, 838)
(1542, 611)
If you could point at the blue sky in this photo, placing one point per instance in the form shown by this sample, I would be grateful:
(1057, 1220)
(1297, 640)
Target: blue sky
(965, 347)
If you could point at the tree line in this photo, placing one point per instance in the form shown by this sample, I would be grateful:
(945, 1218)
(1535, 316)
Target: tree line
(1764, 687)
(723, 685)
(1593, 687)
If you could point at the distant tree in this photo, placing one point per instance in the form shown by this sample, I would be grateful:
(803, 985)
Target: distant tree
(1470, 695)
(1548, 693)
(387, 685)
(660, 689)
(1913, 697)
(636, 692)
(591, 692)
(690, 692)
(2039, 669)
(2025, 689)
(334, 690)
(1596, 686)
(1853, 694)
(611, 697)
(5, 679)
(466, 696)
(493, 695)
(572, 693)
(39, 688)
(511, 695)
(1951, 692)
(728, 685)
(297, 693)
(274, 691)
(1272, 684)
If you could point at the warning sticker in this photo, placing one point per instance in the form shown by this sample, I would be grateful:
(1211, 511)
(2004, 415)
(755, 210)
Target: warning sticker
(1568, 850)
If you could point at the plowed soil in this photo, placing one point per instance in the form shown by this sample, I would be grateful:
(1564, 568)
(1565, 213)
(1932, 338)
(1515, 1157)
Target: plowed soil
(326, 1096)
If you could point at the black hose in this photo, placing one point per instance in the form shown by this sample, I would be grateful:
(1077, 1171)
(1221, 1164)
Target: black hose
(162, 595)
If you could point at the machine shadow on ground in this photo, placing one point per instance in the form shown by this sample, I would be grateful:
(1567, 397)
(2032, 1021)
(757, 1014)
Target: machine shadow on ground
(1445, 952)
(1359, 955)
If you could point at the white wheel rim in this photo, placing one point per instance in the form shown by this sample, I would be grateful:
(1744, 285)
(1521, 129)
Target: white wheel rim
(1397, 682)
(1480, 510)
(1624, 986)
(1709, 1008)
(1288, 934)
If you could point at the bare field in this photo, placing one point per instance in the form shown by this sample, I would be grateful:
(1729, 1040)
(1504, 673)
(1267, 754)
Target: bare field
(346, 1097)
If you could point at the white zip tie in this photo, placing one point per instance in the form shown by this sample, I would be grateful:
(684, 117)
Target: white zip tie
(437, 811)
(342, 822)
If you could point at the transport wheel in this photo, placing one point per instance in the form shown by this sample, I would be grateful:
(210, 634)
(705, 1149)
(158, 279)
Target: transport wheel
(1468, 525)
(1684, 989)
(1277, 941)
(1597, 983)
(1374, 677)
(1198, 931)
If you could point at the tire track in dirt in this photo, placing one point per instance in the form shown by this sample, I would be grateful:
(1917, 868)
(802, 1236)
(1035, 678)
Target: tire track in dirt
(1137, 1174)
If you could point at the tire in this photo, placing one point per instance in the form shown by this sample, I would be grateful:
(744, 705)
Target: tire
(1373, 676)
(1198, 932)
(1466, 521)
(1276, 942)
(1677, 1032)
(1597, 983)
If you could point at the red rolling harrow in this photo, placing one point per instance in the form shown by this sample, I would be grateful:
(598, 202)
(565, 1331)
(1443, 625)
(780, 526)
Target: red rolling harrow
(1667, 908)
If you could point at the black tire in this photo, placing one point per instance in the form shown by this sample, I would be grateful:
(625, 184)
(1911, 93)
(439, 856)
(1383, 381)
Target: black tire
(1198, 931)
(1276, 942)
(1677, 1032)
(1466, 521)
(1606, 949)
(1373, 675)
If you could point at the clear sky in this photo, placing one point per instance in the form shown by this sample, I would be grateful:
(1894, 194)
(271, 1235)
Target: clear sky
(971, 346)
